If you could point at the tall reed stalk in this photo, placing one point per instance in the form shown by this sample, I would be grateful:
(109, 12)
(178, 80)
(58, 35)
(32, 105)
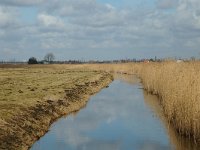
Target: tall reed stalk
(178, 86)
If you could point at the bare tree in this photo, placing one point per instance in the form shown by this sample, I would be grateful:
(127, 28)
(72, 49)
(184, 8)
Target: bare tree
(49, 57)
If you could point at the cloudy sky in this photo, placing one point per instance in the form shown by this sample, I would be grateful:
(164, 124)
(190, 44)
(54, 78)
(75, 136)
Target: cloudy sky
(99, 29)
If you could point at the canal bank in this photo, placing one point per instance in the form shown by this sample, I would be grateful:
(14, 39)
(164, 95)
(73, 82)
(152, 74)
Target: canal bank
(22, 130)
(118, 117)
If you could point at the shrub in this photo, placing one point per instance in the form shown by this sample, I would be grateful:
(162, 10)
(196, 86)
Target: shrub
(32, 60)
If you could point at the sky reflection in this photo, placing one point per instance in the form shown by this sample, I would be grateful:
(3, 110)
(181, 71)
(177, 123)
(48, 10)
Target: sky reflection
(116, 118)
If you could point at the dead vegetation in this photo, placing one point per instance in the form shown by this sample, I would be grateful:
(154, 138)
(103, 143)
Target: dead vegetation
(176, 84)
(32, 97)
(178, 88)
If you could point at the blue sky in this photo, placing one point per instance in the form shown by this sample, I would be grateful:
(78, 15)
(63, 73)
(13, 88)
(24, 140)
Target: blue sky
(99, 29)
(28, 14)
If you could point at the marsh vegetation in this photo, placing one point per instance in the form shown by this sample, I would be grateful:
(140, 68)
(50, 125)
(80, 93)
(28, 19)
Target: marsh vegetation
(45, 87)
(177, 85)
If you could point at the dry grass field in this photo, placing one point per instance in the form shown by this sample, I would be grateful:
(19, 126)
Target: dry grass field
(33, 96)
(22, 87)
(42, 91)
(119, 68)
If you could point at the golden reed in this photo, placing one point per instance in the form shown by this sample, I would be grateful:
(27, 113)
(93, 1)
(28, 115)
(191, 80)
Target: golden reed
(176, 84)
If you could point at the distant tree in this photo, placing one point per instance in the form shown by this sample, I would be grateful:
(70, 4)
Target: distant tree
(151, 60)
(32, 60)
(192, 58)
(49, 57)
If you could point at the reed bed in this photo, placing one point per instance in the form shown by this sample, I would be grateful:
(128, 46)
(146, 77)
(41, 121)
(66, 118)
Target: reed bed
(178, 88)
(119, 68)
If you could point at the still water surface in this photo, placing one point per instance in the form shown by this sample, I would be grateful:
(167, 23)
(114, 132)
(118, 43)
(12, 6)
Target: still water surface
(121, 117)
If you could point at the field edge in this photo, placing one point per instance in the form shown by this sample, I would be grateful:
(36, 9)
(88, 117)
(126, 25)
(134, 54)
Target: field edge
(20, 132)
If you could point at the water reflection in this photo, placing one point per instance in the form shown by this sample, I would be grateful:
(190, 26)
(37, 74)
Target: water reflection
(179, 142)
(119, 117)
(130, 79)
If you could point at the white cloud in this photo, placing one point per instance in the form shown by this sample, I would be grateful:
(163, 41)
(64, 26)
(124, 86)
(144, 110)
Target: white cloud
(7, 17)
(167, 4)
(72, 8)
(48, 20)
(109, 6)
(22, 2)
(92, 27)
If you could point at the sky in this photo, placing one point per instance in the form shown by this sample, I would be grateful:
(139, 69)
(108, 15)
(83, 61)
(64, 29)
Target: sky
(99, 29)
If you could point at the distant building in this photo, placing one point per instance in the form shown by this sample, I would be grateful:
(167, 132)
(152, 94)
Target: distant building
(146, 61)
(179, 61)
(44, 62)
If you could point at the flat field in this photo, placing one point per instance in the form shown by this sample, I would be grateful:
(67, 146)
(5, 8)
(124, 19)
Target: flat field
(31, 97)
(27, 86)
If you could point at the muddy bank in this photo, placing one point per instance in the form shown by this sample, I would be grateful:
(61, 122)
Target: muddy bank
(21, 131)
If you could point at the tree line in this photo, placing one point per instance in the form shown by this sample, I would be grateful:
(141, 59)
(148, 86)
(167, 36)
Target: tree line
(48, 58)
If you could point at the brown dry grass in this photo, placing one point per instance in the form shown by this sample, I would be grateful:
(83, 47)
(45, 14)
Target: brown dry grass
(32, 97)
(123, 68)
(178, 87)
(26, 86)
(176, 84)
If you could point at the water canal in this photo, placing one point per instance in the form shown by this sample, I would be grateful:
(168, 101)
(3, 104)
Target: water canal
(120, 117)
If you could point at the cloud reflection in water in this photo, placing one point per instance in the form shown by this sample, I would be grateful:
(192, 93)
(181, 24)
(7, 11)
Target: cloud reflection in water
(116, 118)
